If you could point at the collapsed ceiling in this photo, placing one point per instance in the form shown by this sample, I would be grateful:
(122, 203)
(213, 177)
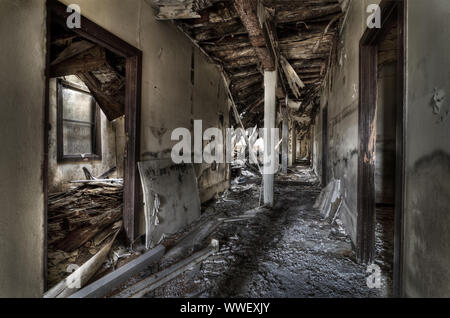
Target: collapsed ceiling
(246, 37)
(102, 71)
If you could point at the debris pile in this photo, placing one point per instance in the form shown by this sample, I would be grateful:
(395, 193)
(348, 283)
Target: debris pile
(80, 223)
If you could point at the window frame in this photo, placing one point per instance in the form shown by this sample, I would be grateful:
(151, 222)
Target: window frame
(96, 127)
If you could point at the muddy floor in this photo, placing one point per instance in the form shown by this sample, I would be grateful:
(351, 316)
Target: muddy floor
(289, 251)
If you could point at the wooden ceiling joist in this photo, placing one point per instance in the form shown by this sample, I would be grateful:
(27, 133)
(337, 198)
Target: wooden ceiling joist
(247, 11)
(87, 60)
(112, 108)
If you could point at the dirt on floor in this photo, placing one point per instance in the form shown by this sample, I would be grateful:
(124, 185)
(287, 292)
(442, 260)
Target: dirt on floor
(288, 251)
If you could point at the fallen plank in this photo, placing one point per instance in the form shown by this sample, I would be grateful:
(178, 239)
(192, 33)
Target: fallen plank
(81, 276)
(147, 285)
(98, 181)
(78, 237)
(186, 245)
(108, 283)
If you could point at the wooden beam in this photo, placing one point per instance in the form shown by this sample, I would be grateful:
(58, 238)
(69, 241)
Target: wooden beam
(293, 79)
(72, 50)
(110, 107)
(108, 283)
(180, 9)
(86, 61)
(247, 11)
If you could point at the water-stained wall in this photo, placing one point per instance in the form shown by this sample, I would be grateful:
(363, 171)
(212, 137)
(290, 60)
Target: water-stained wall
(427, 198)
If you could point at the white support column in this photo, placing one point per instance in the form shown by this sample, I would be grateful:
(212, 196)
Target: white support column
(294, 145)
(270, 83)
(291, 147)
(285, 144)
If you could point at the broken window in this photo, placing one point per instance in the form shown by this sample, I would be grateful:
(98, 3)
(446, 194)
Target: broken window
(79, 135)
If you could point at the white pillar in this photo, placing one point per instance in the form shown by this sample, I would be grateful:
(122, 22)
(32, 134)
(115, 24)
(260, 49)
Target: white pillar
(294, 145)
(291, 148)
(284, 153)
(270, 83)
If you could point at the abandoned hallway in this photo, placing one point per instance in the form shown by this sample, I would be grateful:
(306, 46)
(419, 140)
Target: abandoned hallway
(288, 251)
(225, 148)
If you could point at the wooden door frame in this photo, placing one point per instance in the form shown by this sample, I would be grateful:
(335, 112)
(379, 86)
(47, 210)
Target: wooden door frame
(132, 197)
(391, 11)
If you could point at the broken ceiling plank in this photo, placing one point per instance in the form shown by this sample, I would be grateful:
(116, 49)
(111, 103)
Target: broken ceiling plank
(307, 14)
(293, 79)
(180, 9)
(110, 107)
(247, 11)
(85, 61)
(72, 50)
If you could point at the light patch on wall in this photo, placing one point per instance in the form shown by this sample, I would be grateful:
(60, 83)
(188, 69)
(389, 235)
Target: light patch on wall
(440, 108)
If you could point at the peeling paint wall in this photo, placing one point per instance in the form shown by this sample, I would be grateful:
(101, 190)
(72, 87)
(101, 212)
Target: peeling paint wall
(22, 88)
(113, 147)
(427, 199)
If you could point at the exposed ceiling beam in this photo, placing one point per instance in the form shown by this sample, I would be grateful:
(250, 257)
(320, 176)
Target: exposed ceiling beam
(180, 9)
(247, 11)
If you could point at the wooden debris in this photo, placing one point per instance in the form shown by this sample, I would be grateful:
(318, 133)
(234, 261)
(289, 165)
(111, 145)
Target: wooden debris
(109, 282)
(80, 220)
(294, 80)
(147, 285)
(81, 276)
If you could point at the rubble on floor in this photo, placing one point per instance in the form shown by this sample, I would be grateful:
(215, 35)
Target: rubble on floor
(287, 251)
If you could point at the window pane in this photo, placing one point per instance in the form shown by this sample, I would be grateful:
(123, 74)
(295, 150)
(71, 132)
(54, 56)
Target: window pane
(77, 105)
(77, 139)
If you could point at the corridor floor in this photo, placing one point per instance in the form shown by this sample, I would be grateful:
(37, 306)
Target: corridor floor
(289, 251)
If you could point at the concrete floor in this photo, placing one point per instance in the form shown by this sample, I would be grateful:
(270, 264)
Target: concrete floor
(289, 251)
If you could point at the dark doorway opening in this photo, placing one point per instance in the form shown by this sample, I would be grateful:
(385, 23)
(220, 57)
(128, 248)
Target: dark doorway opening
(381, 137)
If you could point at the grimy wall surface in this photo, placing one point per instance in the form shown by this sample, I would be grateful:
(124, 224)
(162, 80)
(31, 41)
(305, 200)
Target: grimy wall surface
(427, 198)
(22, 87)
(168, 101)
(341, 95)
(426, 237)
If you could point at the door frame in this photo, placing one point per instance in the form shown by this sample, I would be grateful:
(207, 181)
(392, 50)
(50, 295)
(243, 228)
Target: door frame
(132, 197)
(392, 11)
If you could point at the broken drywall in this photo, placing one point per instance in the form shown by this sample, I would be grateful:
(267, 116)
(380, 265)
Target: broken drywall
(171, 198)
(329, 200)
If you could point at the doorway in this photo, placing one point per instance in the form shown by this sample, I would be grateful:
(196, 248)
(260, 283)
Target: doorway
(381, 137)
(101, 74)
